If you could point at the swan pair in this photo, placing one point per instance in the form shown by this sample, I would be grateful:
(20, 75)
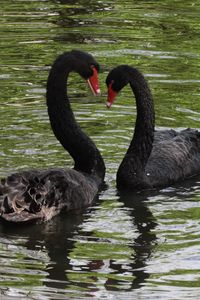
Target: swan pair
(153, 159)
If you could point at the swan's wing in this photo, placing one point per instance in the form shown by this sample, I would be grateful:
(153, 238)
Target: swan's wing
(174, 159)
(33, 196)
(163, 135)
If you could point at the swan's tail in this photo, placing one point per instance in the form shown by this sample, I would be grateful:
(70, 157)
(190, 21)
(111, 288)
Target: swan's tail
(26, 200)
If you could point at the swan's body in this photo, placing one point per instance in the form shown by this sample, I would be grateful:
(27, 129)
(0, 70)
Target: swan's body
(41, 194)
(154, 158)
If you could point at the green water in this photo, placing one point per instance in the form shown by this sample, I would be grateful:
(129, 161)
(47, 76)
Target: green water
(144, 246)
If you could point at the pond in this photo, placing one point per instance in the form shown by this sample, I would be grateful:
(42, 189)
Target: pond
(133, 246)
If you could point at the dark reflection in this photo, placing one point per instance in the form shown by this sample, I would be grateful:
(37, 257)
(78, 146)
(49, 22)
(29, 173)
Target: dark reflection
(145, 223)
(56, 236)
(142, 246)
(59, 238)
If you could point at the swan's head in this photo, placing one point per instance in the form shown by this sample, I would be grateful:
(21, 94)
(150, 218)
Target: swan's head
(116, 80)
(88, 68)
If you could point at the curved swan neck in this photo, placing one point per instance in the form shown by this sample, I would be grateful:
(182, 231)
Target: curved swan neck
(141, 145)
(82, 149)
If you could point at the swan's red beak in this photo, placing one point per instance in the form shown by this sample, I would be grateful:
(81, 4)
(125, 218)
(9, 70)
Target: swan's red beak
(93, 82)
(111, 96)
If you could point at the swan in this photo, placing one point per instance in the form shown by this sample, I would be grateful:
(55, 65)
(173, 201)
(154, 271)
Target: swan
(38, 195)
(154, 159)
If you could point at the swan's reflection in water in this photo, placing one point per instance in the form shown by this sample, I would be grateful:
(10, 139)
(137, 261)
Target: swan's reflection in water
(58, 238)
(142, 246)
(52, 238)
(83, 252)
(60, 247)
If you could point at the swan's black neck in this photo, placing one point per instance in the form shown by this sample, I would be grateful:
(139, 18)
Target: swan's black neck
(134, 162)
(86, 156)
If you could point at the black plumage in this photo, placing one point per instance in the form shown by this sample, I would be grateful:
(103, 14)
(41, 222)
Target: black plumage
(154, 158)
(38, 195)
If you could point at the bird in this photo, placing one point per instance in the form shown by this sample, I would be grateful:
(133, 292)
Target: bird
(154, 159)
(35, 196)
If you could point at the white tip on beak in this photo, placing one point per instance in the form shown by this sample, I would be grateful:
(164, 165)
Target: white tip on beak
(98, 91)
(108, 104)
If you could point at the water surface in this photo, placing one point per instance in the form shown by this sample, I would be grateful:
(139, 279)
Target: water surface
(126, 246)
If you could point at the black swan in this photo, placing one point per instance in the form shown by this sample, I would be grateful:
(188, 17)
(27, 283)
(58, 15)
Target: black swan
(38, 195)
(154, 159)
